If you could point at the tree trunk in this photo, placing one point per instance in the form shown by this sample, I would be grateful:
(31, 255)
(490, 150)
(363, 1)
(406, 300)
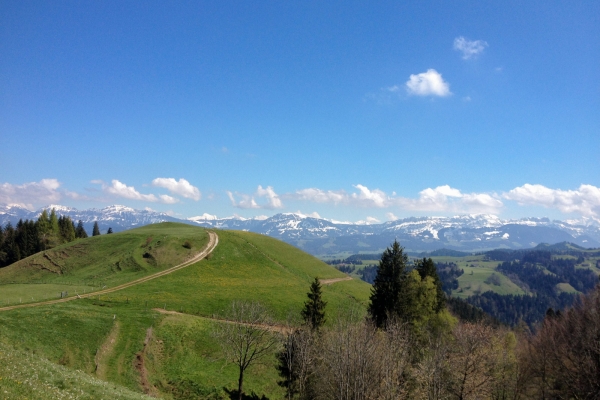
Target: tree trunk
(241, 384)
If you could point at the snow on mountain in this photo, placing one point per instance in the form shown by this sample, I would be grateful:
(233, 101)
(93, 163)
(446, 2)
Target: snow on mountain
(319, 235)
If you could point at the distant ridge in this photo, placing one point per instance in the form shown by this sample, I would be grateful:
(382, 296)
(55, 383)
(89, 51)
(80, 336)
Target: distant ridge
(319, 236)
(445, 253)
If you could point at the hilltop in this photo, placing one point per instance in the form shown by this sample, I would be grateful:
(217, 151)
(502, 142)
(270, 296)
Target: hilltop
(177, 354)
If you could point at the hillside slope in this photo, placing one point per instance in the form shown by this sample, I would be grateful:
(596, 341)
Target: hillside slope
(101, 261)
(105, 336)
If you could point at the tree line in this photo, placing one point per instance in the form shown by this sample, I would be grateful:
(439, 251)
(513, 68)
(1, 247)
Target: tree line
(538, 273)
(410, 346)
(29, 237)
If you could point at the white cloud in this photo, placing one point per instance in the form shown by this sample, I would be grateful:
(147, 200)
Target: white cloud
(248, 201)
(312, 214)
(440, 199)
(119, 189)
(428, 83)
(273, 200)
(447, 199)
(26, 195)
(182, 187)
(368, 197)
(585, 200)
(368, 221)
(321, 196)
(469, 48)
(390, 216)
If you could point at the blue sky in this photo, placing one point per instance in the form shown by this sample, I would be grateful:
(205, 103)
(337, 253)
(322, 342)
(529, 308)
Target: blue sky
(351, 110)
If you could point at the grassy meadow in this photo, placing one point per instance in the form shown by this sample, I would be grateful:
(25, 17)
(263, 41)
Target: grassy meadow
(90, 264)
(88, 342)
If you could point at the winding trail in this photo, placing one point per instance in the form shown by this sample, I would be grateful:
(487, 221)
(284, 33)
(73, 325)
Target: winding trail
(284, 329)
(330, 281)
(213, 240)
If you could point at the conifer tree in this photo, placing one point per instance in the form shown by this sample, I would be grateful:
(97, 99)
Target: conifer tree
(80, 232)
(43, 223)
(96, 230)
(386, 293)
(53, 223)
(426, 267)
(314, 308)
(66, 229)
(109, 230)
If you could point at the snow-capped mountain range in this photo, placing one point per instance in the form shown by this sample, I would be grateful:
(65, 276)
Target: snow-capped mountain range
(117, 217)
(322, 236)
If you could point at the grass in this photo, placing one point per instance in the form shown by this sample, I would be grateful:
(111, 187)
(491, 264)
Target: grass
(473, 282)
(567, 288)
(251, 267)
(95, 262)
(183, 359)
(185, 352)
(27, 376)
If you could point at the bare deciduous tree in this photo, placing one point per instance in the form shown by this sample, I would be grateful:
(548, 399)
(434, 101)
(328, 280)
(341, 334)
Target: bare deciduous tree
(246, 337)
(564, 356)
(360, 362)
(471, 362)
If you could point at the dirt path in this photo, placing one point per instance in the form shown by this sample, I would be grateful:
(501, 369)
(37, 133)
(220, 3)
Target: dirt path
(104, 352)
(330, 281)
(212, 243)
(140, 366)
(273, 328)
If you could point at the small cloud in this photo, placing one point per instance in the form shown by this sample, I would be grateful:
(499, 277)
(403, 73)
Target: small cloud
(467, 99)
(312, 214)
(119, 189)
(390, 216)
(393, 89)
(321, 196)
(182, 187)
(368, 221)
(469, 48)
(369, 197)
(224, 149)
(499, 69)
(248, 201)
(428, 83)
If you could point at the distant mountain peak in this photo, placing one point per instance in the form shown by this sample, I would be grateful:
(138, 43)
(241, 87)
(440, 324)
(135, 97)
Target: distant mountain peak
(471, 232)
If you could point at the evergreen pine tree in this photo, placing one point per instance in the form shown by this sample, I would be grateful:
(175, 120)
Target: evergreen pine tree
(314, 308)
(96, 229)
(43, 223)
(426, 267)
(386, 293)
(53, 222)
(109, 230)
(66, 228)
(80, 232)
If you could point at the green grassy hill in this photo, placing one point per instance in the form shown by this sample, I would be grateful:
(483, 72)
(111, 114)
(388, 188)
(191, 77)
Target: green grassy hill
(107, 260)
(104, 336)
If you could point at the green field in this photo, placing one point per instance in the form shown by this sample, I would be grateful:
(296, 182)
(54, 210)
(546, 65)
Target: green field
(101, 336)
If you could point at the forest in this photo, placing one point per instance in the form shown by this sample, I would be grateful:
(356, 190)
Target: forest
(29, 237)
(539, 273)
(411, 346)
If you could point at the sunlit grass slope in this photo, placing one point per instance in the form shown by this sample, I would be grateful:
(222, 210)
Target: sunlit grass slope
(26, 376)
(101, 336)
(98, 261)
(248, 266)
